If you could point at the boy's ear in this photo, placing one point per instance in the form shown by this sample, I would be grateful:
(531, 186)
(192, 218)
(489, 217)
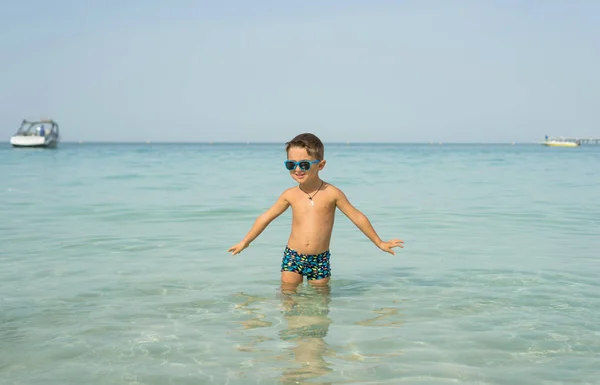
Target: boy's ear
(322, 164)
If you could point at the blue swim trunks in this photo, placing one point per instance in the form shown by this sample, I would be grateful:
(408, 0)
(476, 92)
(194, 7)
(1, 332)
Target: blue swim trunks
(311, 266)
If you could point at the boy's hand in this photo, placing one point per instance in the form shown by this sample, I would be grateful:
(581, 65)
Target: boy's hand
(238, 248)
(387, 246)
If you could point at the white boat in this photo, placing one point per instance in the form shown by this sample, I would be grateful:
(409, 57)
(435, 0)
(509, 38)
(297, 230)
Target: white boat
(41, 133)
(560, 143)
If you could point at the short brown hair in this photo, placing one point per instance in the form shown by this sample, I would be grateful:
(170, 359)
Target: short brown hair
(310, 142)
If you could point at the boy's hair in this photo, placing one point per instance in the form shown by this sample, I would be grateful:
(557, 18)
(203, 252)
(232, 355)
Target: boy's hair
(310, 142)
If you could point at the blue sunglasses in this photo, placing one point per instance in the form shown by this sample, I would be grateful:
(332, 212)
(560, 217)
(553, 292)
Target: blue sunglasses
(304, 165)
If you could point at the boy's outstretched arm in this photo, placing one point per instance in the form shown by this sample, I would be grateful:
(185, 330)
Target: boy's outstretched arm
(362, 222)
(261, 223)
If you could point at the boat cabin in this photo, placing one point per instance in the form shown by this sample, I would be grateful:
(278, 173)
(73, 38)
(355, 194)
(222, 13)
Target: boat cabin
(38, 128)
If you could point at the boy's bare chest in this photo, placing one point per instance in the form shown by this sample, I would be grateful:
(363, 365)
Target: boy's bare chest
(312, 207)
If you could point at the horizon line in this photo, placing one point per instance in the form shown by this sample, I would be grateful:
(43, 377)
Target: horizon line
(437, 142)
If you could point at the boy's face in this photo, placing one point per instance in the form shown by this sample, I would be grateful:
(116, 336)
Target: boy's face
(298, 154)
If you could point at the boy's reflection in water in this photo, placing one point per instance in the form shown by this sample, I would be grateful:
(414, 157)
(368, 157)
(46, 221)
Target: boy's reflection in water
(307, 316)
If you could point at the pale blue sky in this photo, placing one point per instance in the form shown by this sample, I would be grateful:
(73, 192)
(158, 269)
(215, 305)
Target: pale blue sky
(401, 71)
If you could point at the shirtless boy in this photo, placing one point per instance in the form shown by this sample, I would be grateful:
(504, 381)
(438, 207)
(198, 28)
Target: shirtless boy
(313, 202)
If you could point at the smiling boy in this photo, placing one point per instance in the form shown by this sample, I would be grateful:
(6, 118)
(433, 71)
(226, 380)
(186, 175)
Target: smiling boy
(313, 203)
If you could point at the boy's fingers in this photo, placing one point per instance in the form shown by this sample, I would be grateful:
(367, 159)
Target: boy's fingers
(398, 242)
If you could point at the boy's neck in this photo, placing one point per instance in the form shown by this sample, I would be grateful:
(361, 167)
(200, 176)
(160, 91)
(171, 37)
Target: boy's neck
(312, 185)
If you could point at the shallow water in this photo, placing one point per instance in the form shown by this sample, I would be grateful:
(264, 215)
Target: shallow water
(114, 270)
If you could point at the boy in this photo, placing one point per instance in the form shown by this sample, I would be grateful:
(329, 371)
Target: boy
(313, 204)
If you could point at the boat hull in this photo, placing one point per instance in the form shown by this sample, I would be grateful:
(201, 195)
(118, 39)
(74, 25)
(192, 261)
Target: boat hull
(34, 141)
(561, 144)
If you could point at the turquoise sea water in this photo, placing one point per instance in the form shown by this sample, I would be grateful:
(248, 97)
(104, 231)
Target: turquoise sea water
(114, 270)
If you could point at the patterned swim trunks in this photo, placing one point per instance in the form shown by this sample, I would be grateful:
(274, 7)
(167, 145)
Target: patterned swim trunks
(311, 266)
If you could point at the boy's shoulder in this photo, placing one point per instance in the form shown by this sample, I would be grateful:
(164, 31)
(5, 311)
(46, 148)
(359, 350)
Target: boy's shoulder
(331, 187)
(288, 193)
(289, 190)
(332, 190)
